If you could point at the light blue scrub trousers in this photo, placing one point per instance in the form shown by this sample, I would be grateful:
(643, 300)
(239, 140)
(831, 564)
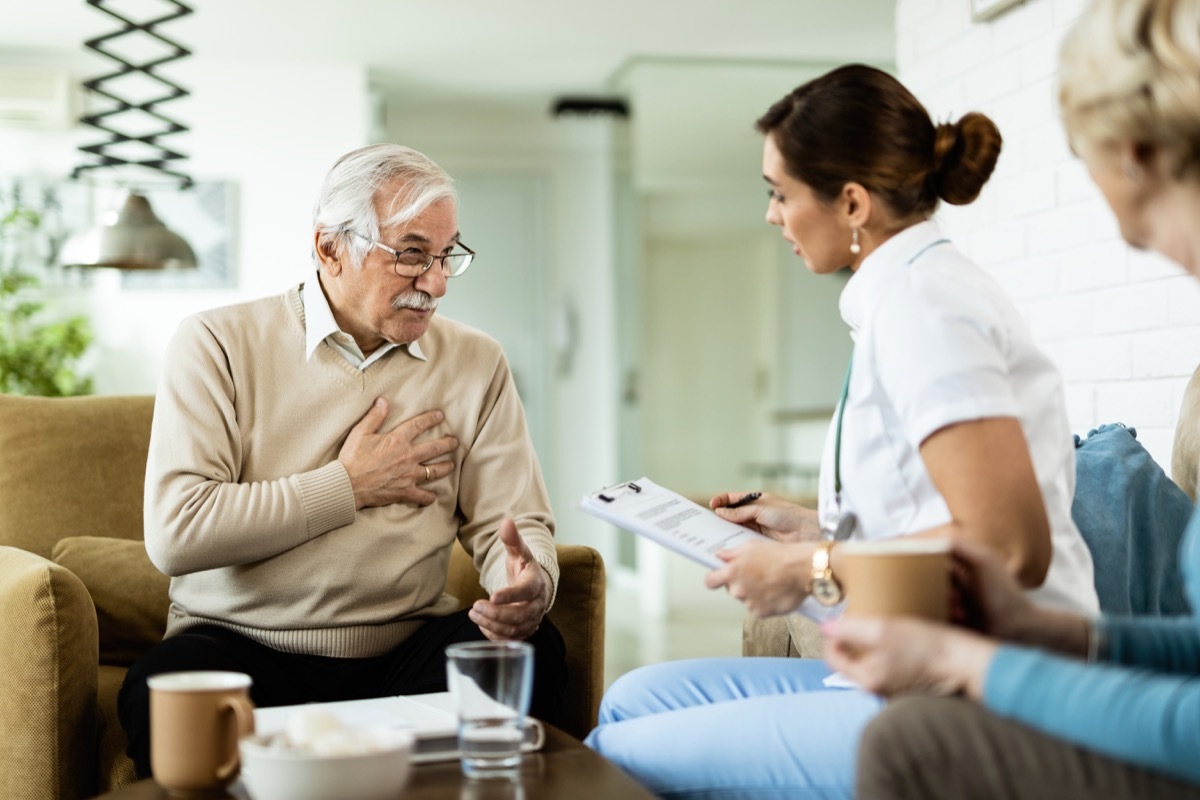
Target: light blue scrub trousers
(734, 728)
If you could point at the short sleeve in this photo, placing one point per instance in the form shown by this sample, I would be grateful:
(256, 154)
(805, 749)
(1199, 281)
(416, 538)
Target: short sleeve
(941, 354)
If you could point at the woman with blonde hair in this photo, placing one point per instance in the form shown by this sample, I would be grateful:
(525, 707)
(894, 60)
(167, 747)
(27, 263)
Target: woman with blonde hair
(1060, 705)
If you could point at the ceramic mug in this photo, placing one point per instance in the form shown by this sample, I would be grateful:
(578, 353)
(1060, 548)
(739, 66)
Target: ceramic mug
(196, 720)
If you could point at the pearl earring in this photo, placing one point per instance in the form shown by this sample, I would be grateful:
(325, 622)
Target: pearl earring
(855, 248)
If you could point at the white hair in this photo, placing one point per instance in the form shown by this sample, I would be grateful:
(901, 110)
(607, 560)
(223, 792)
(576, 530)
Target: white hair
(1130, 73)
(347, 199)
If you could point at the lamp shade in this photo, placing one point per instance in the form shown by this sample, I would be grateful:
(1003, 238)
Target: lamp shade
(135, 239)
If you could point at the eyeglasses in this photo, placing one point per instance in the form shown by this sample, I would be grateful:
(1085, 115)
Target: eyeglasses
(413, 262)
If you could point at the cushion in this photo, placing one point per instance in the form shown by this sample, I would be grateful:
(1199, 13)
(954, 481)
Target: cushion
(129, 593)
(114, 768)
(70, 466)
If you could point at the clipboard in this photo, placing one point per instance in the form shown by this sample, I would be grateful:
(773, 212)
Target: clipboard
(668, 518)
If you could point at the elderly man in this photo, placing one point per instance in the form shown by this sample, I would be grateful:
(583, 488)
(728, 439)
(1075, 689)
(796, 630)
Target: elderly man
(315, 455)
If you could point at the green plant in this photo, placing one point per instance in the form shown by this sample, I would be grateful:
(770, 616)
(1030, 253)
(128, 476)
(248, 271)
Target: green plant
(39, 354)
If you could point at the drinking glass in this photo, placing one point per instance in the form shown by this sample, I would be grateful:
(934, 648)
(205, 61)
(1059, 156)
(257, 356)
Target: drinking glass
(490, 683)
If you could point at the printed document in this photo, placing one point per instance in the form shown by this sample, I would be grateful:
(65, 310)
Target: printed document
(649, 510)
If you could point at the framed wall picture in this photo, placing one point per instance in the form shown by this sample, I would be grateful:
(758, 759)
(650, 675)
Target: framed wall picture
(205, 215)
(982, 10)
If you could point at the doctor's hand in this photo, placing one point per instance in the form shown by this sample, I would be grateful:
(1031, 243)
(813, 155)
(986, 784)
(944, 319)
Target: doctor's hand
(891, 656)
(770, 515)
(515, 611)
(768, 577)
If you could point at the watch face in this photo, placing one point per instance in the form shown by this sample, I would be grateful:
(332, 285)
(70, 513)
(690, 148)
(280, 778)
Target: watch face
(826, 591)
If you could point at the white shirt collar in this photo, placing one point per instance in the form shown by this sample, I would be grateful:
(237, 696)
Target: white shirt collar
(877, 272)
(320, 325)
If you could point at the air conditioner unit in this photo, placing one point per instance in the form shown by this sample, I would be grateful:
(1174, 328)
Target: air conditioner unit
(36, 98)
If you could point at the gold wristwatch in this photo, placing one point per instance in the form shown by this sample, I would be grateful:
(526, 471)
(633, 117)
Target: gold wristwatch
(825, 588)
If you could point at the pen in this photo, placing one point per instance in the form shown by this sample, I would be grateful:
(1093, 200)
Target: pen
(745, 500)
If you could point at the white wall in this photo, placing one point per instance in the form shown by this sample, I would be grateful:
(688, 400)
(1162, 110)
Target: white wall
(273, 130)
(1123, 326)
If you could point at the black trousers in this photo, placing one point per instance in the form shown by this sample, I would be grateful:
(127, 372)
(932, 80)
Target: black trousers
(418, 666)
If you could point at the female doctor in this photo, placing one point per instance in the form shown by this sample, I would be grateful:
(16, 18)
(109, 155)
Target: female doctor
(951, 424)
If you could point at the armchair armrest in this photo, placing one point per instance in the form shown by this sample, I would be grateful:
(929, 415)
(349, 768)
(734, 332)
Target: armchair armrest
(48, 697)
(578, 613)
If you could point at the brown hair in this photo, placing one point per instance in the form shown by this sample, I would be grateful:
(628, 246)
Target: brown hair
(859, 124)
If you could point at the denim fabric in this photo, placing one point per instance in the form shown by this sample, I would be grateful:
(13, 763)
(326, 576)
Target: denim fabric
(1132, 517)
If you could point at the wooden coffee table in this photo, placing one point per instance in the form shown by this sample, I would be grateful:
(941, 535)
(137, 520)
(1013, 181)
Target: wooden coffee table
(562, 768)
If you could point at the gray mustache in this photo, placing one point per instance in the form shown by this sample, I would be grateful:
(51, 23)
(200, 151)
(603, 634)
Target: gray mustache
(417, 300)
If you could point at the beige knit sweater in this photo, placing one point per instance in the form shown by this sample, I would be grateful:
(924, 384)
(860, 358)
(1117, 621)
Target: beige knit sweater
(251, 514)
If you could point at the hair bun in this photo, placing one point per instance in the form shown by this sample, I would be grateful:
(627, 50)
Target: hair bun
(945, 138)
(964, 155)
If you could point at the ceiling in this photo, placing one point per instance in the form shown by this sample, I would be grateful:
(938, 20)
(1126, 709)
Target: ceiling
(496, 51)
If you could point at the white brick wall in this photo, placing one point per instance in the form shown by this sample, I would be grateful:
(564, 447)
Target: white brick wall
(1123, 326)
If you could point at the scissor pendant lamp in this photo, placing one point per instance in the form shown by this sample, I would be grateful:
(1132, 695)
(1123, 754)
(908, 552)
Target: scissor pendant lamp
(133, 237)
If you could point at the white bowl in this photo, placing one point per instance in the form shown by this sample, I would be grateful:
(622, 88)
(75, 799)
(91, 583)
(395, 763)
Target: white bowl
(273, 772)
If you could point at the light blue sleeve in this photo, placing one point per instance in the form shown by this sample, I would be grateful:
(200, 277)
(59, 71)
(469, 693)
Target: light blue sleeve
(1133, 715)
(1165, 644)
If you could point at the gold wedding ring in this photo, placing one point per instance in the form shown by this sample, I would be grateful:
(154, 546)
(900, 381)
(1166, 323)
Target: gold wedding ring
(426, 471)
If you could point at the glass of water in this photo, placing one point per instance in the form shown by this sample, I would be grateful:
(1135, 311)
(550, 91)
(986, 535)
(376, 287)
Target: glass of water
(490, 683)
